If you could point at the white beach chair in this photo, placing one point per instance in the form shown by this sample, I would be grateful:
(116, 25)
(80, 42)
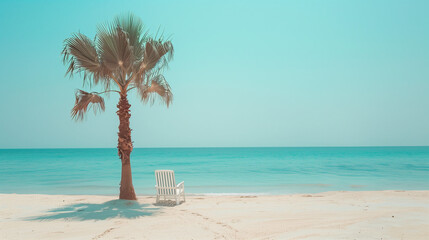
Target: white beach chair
(166, 186)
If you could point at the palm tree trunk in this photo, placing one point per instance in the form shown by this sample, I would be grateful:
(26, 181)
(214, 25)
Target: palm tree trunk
(125, 146)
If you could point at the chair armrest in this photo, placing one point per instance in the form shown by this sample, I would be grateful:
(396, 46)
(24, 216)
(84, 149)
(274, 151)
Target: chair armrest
(181, 184)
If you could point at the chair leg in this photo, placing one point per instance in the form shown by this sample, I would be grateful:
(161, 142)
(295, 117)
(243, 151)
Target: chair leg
(157, 198)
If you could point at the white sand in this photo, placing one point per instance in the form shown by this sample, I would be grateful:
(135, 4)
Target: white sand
(331, 215)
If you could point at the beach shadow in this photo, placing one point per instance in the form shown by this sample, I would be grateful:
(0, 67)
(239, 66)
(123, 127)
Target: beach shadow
(90, 211)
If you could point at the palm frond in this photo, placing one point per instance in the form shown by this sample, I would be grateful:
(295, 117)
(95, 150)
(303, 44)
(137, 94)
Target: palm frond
(157, 87)
(84, 102)
(80, 54)
(134, 28)
(157, 53)
(115, 49)
(156, 56)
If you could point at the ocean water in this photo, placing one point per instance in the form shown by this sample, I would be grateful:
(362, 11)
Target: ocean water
(217, 170)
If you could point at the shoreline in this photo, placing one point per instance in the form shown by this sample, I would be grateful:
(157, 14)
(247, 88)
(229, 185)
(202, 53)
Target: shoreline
(224, 194)
(390, 214)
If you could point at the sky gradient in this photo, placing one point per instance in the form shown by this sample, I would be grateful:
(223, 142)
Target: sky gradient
(245, 73)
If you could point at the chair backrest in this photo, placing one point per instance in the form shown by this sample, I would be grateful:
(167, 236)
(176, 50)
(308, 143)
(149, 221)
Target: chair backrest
(166, 184)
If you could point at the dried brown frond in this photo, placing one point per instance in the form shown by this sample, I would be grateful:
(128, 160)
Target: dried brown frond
(84, 102)
(157, 87)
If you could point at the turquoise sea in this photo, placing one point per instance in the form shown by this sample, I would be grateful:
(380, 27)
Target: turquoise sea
(217, 170)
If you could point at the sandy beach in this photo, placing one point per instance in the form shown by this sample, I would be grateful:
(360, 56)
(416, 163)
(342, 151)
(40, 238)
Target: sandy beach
(330, 215)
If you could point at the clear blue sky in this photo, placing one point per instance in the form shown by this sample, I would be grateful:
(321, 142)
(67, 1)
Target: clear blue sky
(245, 73)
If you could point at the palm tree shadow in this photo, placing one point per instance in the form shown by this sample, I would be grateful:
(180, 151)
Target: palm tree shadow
(90, 211)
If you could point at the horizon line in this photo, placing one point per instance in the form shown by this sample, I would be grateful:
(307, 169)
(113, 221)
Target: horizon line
(362, 146)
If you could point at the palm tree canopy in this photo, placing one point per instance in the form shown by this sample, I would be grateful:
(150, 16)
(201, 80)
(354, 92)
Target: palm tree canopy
(120, 58)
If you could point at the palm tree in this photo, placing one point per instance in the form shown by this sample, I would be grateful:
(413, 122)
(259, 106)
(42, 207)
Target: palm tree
(122, 57)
